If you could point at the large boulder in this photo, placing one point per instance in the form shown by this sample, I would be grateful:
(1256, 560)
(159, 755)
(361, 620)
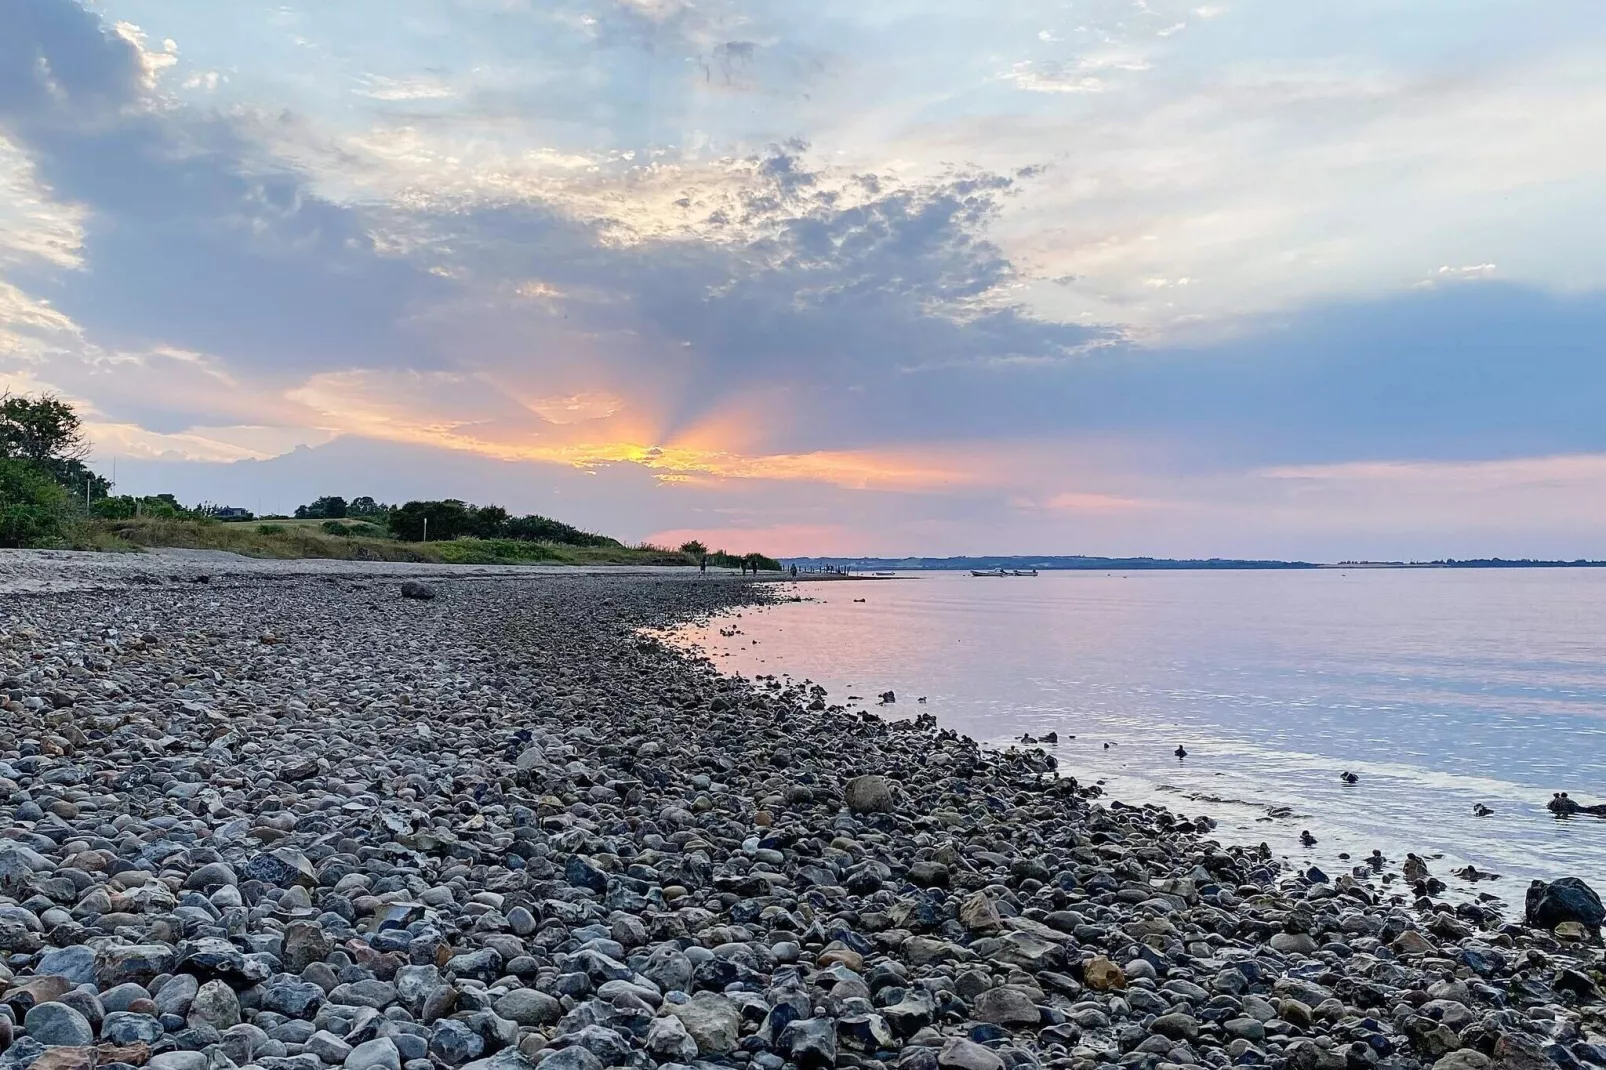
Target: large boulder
(1567, 899)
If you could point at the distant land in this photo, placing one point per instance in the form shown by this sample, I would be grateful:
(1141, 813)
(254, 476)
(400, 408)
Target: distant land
(1134, 564)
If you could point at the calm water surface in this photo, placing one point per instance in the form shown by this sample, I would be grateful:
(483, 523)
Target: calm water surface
(1441, 689)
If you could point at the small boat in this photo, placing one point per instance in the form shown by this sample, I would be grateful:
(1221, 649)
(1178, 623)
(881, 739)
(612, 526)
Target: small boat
(988, 572)
(1023, 572)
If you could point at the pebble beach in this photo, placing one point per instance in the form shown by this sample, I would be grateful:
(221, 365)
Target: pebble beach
(283, 815)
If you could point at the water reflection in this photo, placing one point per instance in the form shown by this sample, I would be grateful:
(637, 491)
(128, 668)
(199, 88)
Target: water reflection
(1439, 689)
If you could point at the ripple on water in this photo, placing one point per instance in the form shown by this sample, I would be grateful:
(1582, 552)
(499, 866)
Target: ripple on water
(1439, 688)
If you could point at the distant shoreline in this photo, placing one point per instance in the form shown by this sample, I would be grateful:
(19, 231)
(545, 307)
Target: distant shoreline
(1150, 564)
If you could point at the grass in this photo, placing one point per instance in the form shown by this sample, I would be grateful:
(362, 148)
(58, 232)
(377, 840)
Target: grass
(290, 539)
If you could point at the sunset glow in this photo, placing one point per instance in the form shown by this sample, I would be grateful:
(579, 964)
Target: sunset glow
(1141, 277)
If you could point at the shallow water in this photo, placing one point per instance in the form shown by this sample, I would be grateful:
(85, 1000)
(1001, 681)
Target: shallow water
(1439, 688)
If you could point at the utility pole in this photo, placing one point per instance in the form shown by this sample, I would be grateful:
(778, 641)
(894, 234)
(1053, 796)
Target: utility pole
(426, 529)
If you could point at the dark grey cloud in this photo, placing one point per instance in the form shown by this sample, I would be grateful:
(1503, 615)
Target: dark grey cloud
(194, 237)
(1465, 372)
(838, 293)
(870, 305)
(59, 62)
(198, 238)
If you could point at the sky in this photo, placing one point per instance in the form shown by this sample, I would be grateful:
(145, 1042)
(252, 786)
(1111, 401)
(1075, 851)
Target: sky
(1247, 278)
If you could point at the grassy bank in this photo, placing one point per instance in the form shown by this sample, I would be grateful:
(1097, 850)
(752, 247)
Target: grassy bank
(281, 539)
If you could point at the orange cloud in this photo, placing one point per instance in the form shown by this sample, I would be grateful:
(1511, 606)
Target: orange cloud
(464, 412)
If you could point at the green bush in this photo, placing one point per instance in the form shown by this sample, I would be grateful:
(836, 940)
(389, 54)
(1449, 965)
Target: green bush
(34, 509)
(271, 529)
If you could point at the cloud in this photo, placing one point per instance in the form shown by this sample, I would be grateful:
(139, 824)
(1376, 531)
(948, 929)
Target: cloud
(805, 266)
(576, 408)
(380, 87)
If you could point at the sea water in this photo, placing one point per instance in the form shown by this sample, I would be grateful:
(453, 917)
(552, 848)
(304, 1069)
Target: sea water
(1439, 689)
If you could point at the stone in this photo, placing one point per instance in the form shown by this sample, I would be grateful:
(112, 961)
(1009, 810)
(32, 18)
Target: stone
(328, 1047)
(136, 963)
(414, 589)
(572, 1058)
(1463, 1059)
(1567, 899)
(29, 991)
(290, 997)
(961, 1054)
(1296, 1012)
(668, 1040)
(810, 1043)
(712, 1021)
(1102, 975)
(179, 1060)
(304, 944)
(978, 914)
(454, 1043)
(377, 1054)
(216, 1005)
(76, 964)
(84, 1058)
(119, 998)
(869, 795)
(529, 1007)
(1176, 1026)
(56, 1024)
(1412, 943)
(1006, 1005)
(867, 1033)
(304, 827)
(177, 994)
(130, 1027)
(280, 868)
(1294, 943)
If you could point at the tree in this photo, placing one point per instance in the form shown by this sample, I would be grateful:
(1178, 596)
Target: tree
(544, 529)
(487, 522)
(365, 506)
(694, 548)
(329, 507)
(34, 508)
(44, 430)
(445, 520)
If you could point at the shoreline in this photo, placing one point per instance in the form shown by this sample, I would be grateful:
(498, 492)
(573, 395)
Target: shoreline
(500, 827)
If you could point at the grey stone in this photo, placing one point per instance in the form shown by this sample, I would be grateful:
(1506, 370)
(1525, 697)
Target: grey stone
(77, 964)
(961, 1054)
(529, 1007)
(1007, 1005)
(328, 1047)
(712, 1020)
(125, 1027)
(215, 1005)
(377, 1054)
(58, 1025)
(869, 795)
